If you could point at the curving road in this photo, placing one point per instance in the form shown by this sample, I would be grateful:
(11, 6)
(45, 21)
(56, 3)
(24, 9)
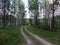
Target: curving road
(28, 41)
(35, 40)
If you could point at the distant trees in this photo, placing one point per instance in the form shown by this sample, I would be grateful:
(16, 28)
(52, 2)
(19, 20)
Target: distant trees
(19, 11)
(16, 15)
(49, 12)
(53, 21)
(33, 6)
(5, 11)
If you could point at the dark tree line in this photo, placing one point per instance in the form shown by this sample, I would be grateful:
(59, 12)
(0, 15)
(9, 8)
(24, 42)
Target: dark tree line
(33, 5)
(6, 4)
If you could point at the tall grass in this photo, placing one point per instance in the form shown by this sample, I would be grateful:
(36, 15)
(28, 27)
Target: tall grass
(10, 35)
(53, 36)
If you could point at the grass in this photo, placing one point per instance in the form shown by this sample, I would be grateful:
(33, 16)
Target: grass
(35, 41)
(51, 36)
(10, 35)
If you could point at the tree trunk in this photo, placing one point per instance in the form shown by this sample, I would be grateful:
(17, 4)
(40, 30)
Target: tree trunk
(4, 16)
(52, 23)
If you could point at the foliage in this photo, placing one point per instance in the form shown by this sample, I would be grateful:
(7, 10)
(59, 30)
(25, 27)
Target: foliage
(33, 4)
(10, 35)
(51, 36)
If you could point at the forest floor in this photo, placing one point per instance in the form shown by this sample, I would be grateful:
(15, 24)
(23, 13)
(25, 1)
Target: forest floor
(32, 39)
(17, 35)
(51, 36)
(10, 35)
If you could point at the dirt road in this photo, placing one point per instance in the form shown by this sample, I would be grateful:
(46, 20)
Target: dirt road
(32, 39)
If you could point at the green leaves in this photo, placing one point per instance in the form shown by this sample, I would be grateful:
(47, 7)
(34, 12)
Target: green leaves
(56, 2)
(33, 4)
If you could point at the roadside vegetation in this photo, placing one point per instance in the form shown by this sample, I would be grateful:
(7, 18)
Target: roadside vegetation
(52, 36)
(10, 35)
(40, 14)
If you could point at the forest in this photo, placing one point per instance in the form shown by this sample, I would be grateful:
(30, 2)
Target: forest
(29, 22)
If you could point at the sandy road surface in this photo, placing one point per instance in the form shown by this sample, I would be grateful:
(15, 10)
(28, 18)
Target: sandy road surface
(29, 41)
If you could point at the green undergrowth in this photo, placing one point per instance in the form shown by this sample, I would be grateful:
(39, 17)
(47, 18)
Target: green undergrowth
(10, 35)
(52, 36)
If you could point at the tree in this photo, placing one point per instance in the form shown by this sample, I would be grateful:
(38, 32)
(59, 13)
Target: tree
(48, 13)
(53, 11)
(5, 10)
(19, 11)
(33, 5)
(48, 8)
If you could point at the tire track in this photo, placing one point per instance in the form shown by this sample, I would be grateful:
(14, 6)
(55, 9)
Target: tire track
(28, 41)
(41, 40)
